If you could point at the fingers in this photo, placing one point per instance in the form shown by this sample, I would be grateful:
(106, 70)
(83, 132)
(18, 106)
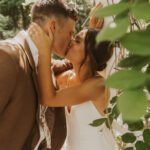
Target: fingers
(99, 5)
(40, 38)
(35, 30)
(100, 23)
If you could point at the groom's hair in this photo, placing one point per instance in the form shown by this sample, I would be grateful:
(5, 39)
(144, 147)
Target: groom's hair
(43, 9)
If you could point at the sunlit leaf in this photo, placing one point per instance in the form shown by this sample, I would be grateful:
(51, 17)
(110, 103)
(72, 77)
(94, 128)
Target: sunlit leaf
(126, 79)
(111, 10)
(132, 104)
(137, 42)
(134, 61)
(114, 30)
(141, 11)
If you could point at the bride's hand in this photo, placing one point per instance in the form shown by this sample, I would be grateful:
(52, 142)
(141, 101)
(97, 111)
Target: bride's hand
(95, 22)
(42, 41)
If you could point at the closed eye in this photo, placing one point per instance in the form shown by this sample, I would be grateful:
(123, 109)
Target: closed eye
(77, 39)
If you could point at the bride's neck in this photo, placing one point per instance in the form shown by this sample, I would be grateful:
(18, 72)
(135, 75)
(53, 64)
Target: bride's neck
(82, 72)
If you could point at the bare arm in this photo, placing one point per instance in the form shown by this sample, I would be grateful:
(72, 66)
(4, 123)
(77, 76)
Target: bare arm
(95, 22)
(67, 97)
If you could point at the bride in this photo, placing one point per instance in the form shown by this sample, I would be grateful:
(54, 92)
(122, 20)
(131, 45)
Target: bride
(88, 58)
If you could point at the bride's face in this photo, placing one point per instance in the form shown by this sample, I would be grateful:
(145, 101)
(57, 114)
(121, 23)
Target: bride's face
(76, 51)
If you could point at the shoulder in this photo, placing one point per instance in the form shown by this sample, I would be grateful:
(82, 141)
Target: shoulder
(8, 66)
(9, 50)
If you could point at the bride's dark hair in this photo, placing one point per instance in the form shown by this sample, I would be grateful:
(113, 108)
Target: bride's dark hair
(99, 53)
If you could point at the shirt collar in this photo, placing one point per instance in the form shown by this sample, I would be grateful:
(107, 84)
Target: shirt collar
(33, 48)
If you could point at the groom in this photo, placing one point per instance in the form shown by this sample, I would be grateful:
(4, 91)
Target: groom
(19, 94)
(19, 99)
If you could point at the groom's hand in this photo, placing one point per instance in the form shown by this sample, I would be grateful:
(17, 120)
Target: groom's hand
(42, 41)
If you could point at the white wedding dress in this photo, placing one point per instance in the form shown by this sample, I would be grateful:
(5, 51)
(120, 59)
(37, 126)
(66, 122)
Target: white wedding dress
(82, 136)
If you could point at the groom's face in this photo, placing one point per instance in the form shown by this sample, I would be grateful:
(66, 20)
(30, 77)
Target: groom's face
(63, 34)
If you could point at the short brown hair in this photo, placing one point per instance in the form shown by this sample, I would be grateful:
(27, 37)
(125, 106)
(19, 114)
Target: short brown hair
(47, 8)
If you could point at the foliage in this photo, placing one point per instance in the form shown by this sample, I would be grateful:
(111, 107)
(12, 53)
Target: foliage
(21, 14)
(83, 8)
(130, 31)
(16, 16)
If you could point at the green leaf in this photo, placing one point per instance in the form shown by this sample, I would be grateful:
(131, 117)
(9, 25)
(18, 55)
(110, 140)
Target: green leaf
(98, 122)
(147, 116)
(134, 61)
(137, 42)
(128, 138)
(146, 136)
(126, 79)
(141, 1)
(141, 11)
(111, 10)
(114, 100)
(114, 30)
(129, 148)
(133, 104)
(115, 112)
(135, 126)
(107, 110)
(140, 145)
(109, 121)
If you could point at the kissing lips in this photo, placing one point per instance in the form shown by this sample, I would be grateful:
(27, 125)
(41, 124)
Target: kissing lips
(68, 47)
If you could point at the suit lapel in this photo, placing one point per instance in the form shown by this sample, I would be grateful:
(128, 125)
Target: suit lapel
(20, 39)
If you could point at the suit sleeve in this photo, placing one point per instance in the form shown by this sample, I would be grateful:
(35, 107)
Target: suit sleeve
(8, 76)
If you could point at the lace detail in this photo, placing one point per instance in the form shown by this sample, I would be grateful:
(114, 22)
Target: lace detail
(44, 126)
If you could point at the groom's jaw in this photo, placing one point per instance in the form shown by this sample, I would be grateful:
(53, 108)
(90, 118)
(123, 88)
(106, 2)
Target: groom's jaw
(68, 47)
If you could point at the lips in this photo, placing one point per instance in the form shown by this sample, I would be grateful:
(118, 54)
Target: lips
(68, 47)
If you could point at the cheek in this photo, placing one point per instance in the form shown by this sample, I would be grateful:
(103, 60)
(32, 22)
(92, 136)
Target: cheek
(78, 52)
(64, 40)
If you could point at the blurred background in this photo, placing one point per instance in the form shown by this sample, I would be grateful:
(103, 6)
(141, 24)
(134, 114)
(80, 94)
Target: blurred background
(15, 14)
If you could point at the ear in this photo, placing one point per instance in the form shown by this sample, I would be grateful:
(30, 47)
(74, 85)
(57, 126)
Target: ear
(51, 23)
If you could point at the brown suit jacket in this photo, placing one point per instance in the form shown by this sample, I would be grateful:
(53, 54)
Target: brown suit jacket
(19, 104)
(19, 107)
